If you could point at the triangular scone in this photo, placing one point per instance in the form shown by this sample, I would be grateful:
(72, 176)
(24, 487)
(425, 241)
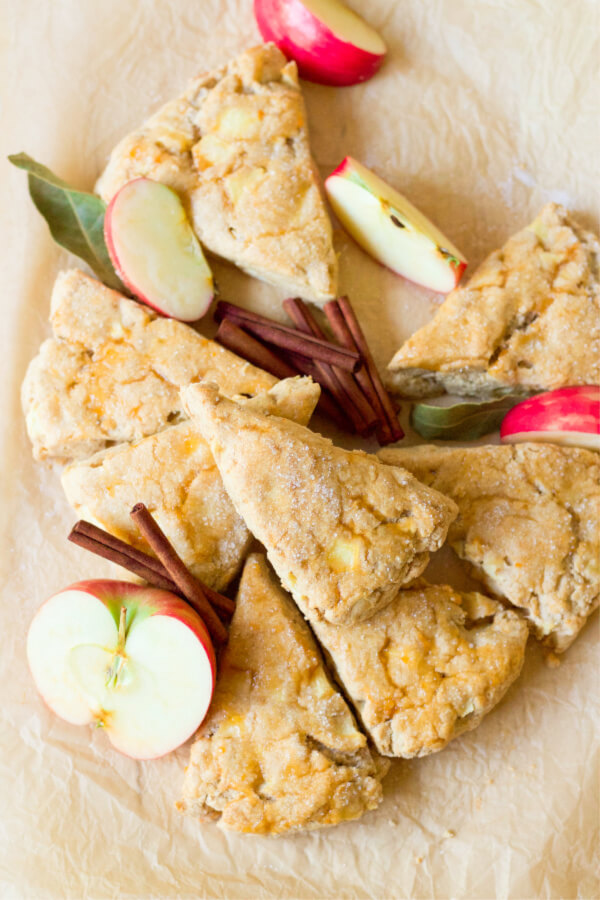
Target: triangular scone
(113, 370)
(174, 474)
(528, 319)
(341, 530)
(280, 750)
(426, 668)
(235, 147)
(529, 525)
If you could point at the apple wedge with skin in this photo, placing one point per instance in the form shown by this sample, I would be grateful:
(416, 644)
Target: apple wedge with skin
(330, 43)
(569, 416)
(137, 661)
(391, 229)
(155, 252)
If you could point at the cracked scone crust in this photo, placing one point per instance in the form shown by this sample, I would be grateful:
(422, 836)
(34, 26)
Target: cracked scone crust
(528, 524)
(235, 147)
(528, 319)
(113, 370)
(174, 474)
(280, 750)
(426, 668)
(341, 530)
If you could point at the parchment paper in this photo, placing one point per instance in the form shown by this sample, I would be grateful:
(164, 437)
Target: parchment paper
(483, 111)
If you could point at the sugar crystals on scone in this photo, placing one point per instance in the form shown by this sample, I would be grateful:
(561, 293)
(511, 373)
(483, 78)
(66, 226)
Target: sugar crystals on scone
(342, 530)
(280, 750)
(528, 524)
(113, 369)
(174, 474)
(426, 668)
(528, 319)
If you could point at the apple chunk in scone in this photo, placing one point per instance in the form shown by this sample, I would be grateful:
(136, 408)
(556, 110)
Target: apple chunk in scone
(426, 668)
(174, 474)
(280, 750)
(235, 148)
(341, 530)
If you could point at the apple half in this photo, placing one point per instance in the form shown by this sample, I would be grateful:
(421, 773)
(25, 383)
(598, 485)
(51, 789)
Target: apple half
(391, 229)
(329, 43)
(137, 661)
(155, 252)
(569, 416)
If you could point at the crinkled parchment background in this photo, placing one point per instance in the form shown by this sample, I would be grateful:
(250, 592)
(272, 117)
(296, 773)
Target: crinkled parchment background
(484, 110)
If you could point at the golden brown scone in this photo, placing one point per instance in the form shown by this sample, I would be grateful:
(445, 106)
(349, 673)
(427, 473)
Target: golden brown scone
(426, 668)
(341, 530)
(528, 319)
(113, 370)
(280, 750)
(235, 147)
(529, 525)
(174, 474)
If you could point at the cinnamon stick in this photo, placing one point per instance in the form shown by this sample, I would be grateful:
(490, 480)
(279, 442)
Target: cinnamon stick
(121, 559)
(345, 326)
(106, 545)
(339, 382)
(285, 338)
(177, 571)
(234, 338)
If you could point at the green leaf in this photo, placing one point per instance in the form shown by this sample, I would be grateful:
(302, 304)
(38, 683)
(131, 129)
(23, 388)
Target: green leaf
(462, 421)
(75, 219)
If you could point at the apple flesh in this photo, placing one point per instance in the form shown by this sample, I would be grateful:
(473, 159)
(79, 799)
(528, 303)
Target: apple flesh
(155, 251)
(136, 661)
(329, 43)
(569, 416)
(391, 229)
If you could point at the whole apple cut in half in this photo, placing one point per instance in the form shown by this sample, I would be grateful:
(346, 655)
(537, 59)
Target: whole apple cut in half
(569, 416)
(329, 42)
(155, 251)
(137, 661)
(391, 229)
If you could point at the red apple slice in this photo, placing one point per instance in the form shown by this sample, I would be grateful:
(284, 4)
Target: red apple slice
(155, 251)
(568, 416)
(137, 661)
(391, 229)
(329, 42)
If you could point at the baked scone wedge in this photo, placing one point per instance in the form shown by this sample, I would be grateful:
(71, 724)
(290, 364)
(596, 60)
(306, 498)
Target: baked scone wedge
(528, 319)
(235, 147)
(529, 525)
(342, 530)
(280, 750)
(113, 370)
(426, 668)
(174, 474)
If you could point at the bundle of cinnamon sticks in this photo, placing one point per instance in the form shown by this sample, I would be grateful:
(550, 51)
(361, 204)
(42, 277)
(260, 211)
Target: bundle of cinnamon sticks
(165, 570)
(353, 395)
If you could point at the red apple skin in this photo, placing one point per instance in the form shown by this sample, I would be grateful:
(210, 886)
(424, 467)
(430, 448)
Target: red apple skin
(567, 411)
(114, 258)
(112, 252)
(319, 54)
(152, 601)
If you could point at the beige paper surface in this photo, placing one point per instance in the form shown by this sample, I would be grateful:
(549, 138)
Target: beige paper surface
(484, 111)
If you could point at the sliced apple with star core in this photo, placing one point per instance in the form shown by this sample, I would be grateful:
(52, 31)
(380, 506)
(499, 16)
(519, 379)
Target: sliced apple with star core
(136, 661)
